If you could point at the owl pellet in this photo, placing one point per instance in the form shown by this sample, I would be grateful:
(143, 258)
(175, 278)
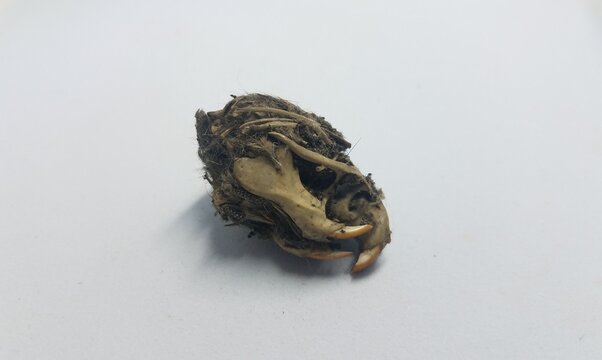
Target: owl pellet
(285, 173)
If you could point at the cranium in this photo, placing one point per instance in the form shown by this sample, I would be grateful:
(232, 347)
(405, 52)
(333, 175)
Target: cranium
(284, 173)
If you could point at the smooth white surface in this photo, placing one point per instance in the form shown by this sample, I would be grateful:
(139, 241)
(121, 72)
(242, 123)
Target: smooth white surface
(481, 120)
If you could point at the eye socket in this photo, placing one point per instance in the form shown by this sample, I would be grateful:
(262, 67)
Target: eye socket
(314, 177)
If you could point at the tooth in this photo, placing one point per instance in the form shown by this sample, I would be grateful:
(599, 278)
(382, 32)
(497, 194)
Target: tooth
(366, 258)
(372, 243)
(351, 231)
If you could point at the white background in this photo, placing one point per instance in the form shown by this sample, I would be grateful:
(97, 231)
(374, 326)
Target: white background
(481, 120)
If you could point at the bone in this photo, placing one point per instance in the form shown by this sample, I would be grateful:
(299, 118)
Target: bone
(349, 232)
(380, 234)
(284, 188)
(266, 120)
(303, 119)
(269, 126)
(312, 253)
(328, 255)
(314, 157)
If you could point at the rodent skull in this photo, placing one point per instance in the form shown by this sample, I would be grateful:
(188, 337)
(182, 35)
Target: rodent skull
(283, 172)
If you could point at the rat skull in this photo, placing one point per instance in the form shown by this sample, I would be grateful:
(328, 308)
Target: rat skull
(284, 173)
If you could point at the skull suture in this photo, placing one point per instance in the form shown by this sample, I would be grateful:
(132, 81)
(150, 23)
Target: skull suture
(284, 173)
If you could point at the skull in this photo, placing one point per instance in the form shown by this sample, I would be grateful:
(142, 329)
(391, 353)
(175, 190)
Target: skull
(284, 173)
